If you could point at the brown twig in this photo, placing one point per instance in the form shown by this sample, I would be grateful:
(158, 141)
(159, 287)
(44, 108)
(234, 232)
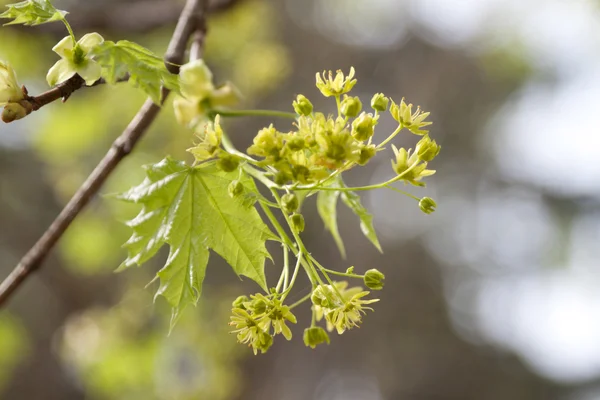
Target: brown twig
(192, 15)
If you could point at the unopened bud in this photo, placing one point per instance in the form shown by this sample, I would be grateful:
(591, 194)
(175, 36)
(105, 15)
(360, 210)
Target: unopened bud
(235, 188)
(379, 102)
(298, 222)
(374, 279)
(427, 205)
(302, 105)
(227, 162)
(315, 336)
(363, 127)
(289, 202)
(351, 106)
(427, 149)
(239, 302)
(13, 112)
(366, 153)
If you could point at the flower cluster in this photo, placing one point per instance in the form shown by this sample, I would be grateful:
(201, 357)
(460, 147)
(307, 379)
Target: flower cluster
(255, 317)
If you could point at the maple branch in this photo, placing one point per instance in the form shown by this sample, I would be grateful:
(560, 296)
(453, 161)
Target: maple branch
(190, 20)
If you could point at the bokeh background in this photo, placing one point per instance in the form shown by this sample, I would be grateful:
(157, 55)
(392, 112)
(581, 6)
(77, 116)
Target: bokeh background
(494, 296)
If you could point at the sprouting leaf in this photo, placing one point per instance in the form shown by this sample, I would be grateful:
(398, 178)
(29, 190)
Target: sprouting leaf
(146, 70)
(189, 208)
(326, 206)
(32, 12)
(352, 200)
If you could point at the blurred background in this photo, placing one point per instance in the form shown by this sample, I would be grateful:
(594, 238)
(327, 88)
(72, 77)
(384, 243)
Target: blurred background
(494, 296)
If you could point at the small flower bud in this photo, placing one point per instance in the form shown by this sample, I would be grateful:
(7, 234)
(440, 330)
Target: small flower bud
(351, 106)
(427, 205)
(298, 222)
(227, 162)
(281, 178)
(235, 188)
(379, 102)
(427, 149)
(302, 105)
(13, 112)
(350, 270)
(239, 302)
(366, 153)
(374, 279)
(363, 127)
(315, 336)
(289, 202)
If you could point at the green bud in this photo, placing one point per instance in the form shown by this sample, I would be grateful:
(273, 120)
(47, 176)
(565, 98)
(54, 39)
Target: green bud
(289, 202)
(315, 336)
(281, 178)
(366, 153)
(235, 188)
(350, 270)
(379, 102)
(427, 205)
(374, 279)
(264, 342)
(302, 105)
(301, 173)
(13, 112)
(322, 296)
(363, 127)
(298, 222)
(427, 149)
(227, 162)
(351, 106)
(296, 143)
(239, 302)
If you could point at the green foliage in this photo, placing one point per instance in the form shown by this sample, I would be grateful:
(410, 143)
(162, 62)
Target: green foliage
(352, 200)
(190, 209)
(327, 208)
(33, 12)
(145, 69)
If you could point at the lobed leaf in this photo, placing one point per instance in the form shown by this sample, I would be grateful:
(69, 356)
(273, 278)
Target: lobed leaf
(32, 12)
(146, 70)
(189, 208)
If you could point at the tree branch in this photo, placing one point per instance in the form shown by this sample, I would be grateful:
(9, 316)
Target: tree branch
(192, 15)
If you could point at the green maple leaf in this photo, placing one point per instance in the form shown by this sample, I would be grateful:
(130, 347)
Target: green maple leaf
(146, 70)
(32, 12)
(189, 209)
(327, 206)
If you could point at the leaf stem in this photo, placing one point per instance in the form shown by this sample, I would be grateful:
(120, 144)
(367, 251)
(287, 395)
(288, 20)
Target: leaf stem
(343, 274)
(403, 192)
(254, 113)
(302, 300)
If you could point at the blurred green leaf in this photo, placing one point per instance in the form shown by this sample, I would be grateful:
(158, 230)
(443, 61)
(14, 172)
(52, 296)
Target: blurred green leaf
(352, 200)
(32, 12)
(146, 70)
(190, 209)
(327, 208)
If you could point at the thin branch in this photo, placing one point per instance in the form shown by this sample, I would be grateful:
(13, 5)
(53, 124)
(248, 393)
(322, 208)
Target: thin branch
(123, 145)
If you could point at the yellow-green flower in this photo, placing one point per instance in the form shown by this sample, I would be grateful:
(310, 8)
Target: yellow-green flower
(249, 332)
(412, 121)
(200, 94)
(210, 141)
(330, 86)
(410, 166)
(74, 60)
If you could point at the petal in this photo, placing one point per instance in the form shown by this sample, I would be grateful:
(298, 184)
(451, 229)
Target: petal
(89, 41)
(90, 71)
(196, 79)
(60, 72)
(64, 47)
(185, 110)
(225, 96)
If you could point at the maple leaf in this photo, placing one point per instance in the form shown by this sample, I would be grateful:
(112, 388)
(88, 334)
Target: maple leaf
(190, 209)
(32, 12)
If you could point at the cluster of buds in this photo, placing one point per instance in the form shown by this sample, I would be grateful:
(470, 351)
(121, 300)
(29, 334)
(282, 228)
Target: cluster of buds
(259, 318)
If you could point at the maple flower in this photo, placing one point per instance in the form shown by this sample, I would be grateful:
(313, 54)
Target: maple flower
(330, 86)
(75, 60)
(199, 94)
